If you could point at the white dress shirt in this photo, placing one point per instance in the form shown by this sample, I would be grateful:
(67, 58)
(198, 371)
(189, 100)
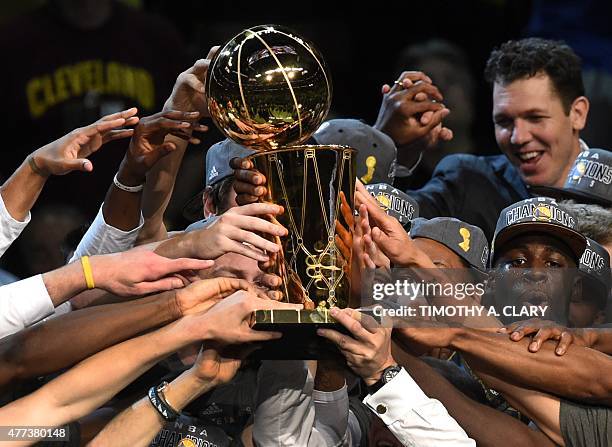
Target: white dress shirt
(10, 228)
(102, 239)
(22, 304)
(414, 418)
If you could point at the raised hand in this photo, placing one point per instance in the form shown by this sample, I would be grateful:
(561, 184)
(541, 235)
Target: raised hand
(189, 92)
(69, 153)
(148, 143)
(201, 295)
(248, 182)
(229, 321)
(216, 366)
(389, 235)
(411, 112)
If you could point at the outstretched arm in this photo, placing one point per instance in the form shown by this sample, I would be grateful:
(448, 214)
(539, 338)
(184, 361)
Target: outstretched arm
(138, 424)
(187, 95)
(488, 427)
(69, 153)
(581, 374)
(63, 341)
(94, 381)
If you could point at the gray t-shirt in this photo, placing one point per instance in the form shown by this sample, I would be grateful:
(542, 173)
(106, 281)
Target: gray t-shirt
(585, 425)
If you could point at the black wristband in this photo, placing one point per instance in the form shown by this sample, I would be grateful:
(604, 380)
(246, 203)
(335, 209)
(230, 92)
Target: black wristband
(160, 404)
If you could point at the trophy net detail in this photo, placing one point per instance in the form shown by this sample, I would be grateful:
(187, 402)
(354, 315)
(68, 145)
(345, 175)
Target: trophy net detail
(315, 186)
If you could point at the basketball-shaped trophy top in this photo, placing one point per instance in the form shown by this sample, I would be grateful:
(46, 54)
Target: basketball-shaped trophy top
(268, 88)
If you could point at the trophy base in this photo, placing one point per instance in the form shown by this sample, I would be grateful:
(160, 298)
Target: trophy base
(299, 328)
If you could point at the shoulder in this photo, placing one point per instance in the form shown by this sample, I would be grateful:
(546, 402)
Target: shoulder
(472, 163)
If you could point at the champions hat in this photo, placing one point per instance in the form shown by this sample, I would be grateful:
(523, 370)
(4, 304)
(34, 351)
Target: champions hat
(595, 265)
(589, 180)
(467, 241)
(394, 202)
(540, 214)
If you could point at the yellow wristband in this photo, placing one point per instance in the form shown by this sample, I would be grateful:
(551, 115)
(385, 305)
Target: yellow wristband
(87, 272)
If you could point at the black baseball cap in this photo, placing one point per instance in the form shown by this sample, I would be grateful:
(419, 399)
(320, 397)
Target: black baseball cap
(595, 265)
(589, 180)
(394, 202)
(467, 241)
(540, 214)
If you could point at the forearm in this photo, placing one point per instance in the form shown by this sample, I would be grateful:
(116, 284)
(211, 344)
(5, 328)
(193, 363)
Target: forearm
(63, 341)
(180, 246)
(158, 191)
(21, 191)
(65, 282)
(121, 208)
(94, 381)
(541, 408)
(600, 339)
(488, 427)
(581, 374)
(138, 424)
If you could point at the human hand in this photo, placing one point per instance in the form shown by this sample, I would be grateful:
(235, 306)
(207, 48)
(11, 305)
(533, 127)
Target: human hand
(148, 143)
(215, 365)
(248, 182)
(546, 330)
(372, 256)
(229, 321)
(139, 272)
(237, 226)
(411, 112)
(189, 92)
(69, 153)
(388, 234)
(368, 351)
(201, 295)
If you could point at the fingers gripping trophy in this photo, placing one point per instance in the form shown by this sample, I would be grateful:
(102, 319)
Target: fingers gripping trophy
(269, 89)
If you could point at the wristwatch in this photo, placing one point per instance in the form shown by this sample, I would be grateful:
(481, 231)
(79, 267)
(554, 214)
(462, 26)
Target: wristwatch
(387, 375)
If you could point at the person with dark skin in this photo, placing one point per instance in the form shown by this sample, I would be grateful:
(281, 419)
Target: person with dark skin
(534, 270)
(540, 331)
(65, 343)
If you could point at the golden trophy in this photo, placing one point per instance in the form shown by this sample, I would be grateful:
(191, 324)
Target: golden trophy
(269, 89)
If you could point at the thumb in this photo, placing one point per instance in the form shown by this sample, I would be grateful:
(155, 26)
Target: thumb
(80, 164)
(167, 147)
(380, 239)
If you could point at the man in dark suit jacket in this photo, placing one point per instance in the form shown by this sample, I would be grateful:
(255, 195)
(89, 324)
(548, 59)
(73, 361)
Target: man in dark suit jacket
(539, 108)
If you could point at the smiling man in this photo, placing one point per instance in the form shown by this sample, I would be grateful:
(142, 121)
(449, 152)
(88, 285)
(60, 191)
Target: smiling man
(539, 109)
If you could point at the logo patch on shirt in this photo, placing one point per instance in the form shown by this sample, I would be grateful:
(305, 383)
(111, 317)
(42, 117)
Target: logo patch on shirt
(213, 173)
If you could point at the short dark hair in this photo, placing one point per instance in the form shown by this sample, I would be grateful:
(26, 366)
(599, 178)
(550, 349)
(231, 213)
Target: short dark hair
(219, 194)
(593, 221)
(525, 58)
